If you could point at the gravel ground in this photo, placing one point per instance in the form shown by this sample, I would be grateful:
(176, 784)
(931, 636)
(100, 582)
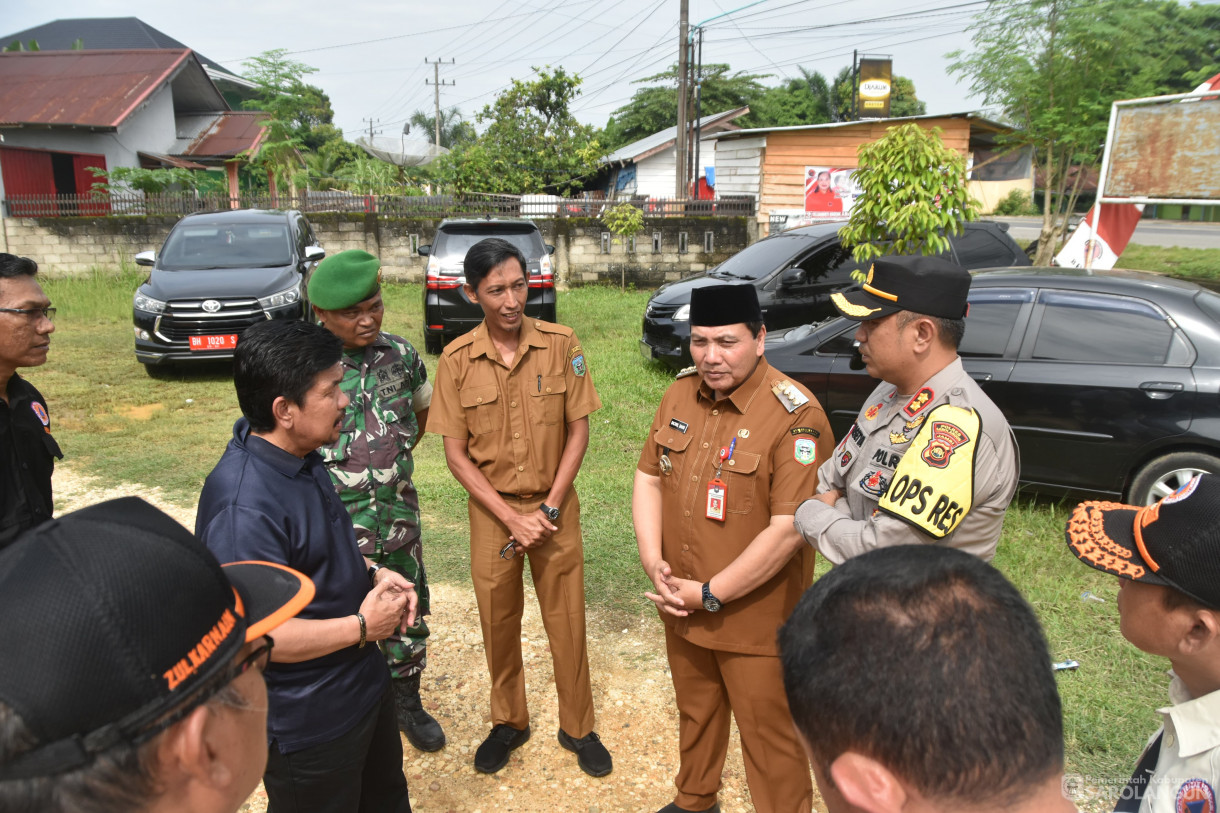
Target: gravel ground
(632, 694)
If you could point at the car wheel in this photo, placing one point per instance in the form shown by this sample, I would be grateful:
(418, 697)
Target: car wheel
(434, 343)
(1165, 475)
(160, 372)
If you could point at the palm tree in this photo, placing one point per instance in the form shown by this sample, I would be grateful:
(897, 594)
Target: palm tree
(454, 129)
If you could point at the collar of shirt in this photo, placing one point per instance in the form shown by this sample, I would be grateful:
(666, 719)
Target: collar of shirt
(356, 357)
(938, 383)
(482, 344)
(18, 390)
(1195, 720)
(740, 398)
(284, 462)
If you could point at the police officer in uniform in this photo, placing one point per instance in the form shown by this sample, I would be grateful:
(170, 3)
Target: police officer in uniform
(371, 463)
(732, 451)
(512, 400)
(929, 459)
(27, 449)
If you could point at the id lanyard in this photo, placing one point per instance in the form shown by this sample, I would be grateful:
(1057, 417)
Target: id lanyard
(717, 491)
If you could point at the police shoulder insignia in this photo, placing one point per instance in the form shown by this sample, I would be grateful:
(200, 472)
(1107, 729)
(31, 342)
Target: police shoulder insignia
(685, 371)
(933, 488)
(578, 364)
(872, 411)
(918, 401)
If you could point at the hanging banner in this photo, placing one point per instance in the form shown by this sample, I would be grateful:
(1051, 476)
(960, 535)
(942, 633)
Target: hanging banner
(874, 90)
(1104, 233)
(830, 191)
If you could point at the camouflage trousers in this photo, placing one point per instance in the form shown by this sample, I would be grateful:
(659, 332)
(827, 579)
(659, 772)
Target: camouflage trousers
(407, 654)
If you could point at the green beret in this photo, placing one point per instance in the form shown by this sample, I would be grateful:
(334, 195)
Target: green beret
(344, 279)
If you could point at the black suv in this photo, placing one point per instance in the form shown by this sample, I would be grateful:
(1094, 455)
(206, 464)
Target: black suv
(795, 272)
(448, 312)
(217, 274)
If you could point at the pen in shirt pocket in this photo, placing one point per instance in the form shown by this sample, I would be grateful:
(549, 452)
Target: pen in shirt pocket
(540, 383)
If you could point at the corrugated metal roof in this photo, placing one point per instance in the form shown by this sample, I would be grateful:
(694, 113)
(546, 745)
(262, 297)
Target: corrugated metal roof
(221, 136)
(88, 89)
(646, 146)
(995, 125)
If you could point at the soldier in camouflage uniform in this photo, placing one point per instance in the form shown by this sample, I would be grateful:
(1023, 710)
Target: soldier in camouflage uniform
(371, 462)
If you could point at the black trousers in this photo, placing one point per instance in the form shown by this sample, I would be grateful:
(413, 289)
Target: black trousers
(360, 772)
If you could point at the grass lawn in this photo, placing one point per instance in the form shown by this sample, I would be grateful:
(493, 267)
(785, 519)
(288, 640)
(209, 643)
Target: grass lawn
(115, 422)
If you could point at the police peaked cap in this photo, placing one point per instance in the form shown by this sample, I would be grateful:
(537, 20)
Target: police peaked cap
(925, 285)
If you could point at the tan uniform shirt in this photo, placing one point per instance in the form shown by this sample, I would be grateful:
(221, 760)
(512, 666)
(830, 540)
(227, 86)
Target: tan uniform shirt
(515, 418)
(863, 467)
(772, 469)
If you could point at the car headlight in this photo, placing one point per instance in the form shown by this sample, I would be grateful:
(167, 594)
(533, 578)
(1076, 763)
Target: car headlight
(143, 302)
(281, 299)
(682, 314)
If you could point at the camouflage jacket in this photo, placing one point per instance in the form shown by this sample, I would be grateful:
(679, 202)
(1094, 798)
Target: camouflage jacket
(371, 463)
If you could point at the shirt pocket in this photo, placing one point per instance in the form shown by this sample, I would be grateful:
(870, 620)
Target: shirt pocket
(676, 445)
(740, 476)
(547, 400)
(482, 408)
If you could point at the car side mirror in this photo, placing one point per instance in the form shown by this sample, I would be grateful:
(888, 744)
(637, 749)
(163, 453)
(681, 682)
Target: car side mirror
(314, 253)
(148, 258)
(550, 249)
(793, 276)
(424, 250)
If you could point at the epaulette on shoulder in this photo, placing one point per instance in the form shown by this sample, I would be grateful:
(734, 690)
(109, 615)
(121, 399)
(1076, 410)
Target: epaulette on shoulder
(464, 340)
(686, 371)
(551, 327)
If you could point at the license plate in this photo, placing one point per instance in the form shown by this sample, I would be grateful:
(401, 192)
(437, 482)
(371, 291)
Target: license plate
(226, 342)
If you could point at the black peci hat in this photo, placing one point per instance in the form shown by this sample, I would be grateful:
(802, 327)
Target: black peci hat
(927, 285)
(1175, 542)
(114, 617)
(716, 305)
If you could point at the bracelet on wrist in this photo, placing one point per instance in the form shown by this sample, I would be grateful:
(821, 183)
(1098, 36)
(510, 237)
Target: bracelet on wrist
(363, 630)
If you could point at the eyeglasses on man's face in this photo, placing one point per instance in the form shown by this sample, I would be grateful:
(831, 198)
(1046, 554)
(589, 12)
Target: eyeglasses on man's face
(32, 313)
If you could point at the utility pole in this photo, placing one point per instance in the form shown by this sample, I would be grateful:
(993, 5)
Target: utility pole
(436, 95)
(680, 141)
(371, 133)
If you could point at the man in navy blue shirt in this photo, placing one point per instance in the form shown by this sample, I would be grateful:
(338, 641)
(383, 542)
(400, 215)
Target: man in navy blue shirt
(332, 733)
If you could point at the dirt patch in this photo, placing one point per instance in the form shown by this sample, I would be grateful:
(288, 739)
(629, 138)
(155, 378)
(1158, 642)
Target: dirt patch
(141, 413)
(632, 693)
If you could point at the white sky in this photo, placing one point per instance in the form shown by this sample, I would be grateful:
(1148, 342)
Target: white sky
(370, 53)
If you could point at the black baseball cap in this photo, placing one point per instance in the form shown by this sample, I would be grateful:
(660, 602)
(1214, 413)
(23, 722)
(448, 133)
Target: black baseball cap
(716, 305)
(116, 617)
(1175, 542)
(927, 285)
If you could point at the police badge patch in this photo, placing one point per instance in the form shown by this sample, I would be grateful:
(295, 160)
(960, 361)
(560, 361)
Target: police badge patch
(804, 451)
(875, 483)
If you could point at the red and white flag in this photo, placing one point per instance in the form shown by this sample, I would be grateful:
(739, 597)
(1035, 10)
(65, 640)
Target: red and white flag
(1105, 239)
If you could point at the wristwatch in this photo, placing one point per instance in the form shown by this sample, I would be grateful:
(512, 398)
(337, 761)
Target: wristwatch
(551, 513)
(710, 602)
(373, 572)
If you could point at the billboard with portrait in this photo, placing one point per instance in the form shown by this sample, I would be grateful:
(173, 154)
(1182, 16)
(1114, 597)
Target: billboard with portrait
(830, 191)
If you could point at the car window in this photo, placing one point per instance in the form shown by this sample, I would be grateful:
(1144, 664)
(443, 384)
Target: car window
(989, 324)
(763, 258)
(979, 248)
(834, 263)
(454, 241)
(239, 245)
(1099, 328)
(1209, 303)
(841, 344)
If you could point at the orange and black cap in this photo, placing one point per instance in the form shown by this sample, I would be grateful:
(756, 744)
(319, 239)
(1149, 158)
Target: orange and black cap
(1174, 543)
(926, 285)
(115, 619)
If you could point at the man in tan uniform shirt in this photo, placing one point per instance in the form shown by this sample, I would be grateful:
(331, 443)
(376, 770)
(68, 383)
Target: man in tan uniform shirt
(512, 401)
(730, 455)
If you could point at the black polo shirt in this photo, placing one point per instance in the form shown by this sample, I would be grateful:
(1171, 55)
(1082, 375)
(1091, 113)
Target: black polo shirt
(27, 458)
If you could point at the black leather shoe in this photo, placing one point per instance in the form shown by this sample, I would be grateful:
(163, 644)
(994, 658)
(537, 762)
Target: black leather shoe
(672, 807)
(591, 755)
(492, 755)
(421, 728)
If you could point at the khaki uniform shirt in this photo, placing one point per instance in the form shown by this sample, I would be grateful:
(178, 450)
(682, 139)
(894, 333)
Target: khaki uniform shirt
(863, 467)
(515, 418)
(1188, 768)
(772, 470)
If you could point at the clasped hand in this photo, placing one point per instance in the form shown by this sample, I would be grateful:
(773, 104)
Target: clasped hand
(391, 604)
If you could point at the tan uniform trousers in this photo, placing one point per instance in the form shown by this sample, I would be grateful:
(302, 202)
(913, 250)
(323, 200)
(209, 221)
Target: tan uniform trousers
(710, 684)
(558, 570)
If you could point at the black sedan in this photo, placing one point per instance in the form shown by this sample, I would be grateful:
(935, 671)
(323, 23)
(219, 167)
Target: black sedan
(1110, 380)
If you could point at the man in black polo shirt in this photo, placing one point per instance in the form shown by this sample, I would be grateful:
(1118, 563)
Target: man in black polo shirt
(27, 449)
(331, 725)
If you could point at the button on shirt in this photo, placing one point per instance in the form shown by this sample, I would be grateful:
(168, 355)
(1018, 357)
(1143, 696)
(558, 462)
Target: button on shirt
(27, 459)
(773, 468)
(1188, 767)
(262, 503)
(514, 417)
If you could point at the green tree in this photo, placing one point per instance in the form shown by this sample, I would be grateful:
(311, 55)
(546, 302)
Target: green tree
(1054, 67)
(293, 110)
(370, 176)
(532, 143)
(915, 195)
(455, 130)
(655, 108)
(797, 101)
(155, 181)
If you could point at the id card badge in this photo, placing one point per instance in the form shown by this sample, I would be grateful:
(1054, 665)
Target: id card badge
(716, 491)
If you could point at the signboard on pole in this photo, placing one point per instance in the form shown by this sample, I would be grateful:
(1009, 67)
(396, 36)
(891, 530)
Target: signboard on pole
(875, 84)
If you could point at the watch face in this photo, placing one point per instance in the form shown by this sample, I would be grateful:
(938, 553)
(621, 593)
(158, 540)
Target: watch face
(711, 604)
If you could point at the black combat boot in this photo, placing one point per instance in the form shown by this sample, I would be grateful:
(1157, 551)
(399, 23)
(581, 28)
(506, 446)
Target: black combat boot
(421, 728)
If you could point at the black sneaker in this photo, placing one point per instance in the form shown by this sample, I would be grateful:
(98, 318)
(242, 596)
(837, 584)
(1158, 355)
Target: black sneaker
(591, 755)
(492, 755)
